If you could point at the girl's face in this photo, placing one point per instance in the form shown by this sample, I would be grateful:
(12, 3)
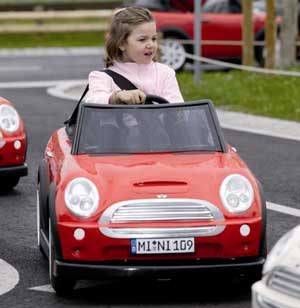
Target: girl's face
(141, 44)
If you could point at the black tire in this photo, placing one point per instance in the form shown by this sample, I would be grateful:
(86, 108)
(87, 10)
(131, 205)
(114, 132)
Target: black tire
(61, 285)
(43, 191)
(8, 183)
(38, 220)
(42, 204)
(259, 58)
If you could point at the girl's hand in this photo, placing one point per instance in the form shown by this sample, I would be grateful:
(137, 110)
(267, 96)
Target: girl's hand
(128, 97)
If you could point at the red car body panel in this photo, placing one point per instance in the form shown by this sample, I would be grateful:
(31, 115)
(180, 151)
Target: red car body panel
(144, 176)
(9, 156)
(215, 27)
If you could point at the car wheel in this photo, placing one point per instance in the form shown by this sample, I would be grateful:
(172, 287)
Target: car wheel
(61, 285)
(173, 53)
(38, 217)
(38, 220)
(9, 183)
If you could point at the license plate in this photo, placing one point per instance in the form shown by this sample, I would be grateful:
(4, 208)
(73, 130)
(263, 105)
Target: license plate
(163, 245)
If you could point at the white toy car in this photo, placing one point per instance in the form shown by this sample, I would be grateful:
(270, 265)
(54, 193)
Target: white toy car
(280, 285)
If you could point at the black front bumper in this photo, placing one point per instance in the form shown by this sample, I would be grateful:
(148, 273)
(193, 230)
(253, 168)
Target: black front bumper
(162, 270)
(14, 171)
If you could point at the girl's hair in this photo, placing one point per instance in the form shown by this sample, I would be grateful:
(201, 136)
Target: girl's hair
(123, 22)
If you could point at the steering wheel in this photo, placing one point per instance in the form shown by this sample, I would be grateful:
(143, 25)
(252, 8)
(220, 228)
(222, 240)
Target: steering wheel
(151, 99)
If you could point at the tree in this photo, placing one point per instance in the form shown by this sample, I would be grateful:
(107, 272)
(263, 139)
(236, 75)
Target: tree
(248, 36)
(289, 30)
(271, 34)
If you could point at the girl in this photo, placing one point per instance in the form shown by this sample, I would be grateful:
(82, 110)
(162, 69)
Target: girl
(131, 50)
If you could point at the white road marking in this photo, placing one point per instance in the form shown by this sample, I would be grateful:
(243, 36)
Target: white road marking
(20, 68)
(9, 277)
(283, 209)
(44, 288)
(82, 284)
(66, 90)
(37, 84)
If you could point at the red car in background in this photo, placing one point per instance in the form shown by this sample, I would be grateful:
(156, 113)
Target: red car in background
(168, 5)
(221, 21)
(13, 145)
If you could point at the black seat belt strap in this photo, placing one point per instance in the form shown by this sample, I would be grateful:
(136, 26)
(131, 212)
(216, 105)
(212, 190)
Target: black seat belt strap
(122, 82)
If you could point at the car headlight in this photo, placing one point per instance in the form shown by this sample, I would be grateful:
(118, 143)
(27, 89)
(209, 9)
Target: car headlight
(82, 197)
(278, 250)
(9, 118)
(236, 193)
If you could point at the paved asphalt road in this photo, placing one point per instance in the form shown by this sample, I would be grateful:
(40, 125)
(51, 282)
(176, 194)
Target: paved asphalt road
(275, 162)
(38, 66)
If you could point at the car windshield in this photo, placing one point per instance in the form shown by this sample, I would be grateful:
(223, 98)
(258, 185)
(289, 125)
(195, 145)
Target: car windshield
(260, 6)
(146, 130)
(222, 6)
(156, 5)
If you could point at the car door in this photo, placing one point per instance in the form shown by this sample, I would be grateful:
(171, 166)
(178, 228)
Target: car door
(221, 23)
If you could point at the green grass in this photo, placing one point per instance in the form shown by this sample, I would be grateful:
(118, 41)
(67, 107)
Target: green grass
(70, 39)
(259, 94)
(53, 21)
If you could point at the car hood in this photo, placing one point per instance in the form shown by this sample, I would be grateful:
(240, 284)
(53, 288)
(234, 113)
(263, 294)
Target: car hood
(171, 174)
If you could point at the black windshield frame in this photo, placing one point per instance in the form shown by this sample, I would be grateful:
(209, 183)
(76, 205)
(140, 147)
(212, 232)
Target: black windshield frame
(207, 104)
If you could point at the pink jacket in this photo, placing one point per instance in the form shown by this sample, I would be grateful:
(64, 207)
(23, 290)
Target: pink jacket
(154, 78)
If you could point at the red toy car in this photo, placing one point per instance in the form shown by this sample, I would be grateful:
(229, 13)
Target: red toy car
(168, 5)
(13, 146)
(221, 21)
(147, 191)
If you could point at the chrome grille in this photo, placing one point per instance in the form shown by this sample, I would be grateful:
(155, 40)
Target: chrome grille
(160, 210)
(285, 280)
